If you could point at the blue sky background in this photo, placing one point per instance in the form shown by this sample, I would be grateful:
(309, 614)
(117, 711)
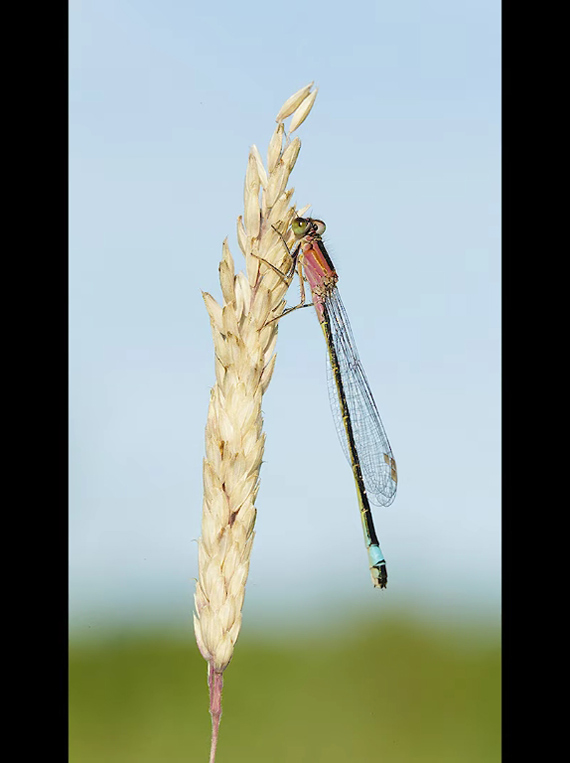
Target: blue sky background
(401, 157)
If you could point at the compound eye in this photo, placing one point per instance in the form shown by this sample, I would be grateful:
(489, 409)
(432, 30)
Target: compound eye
(300, 226)
(319, 226)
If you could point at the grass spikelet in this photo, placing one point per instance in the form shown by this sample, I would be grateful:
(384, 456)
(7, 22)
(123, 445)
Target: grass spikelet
(293, 102)
(291, 153)
(276, 183)
(302, 112)
(242, 236)
(275, 146)
(260, 168)
(244, 348)
(251, 197)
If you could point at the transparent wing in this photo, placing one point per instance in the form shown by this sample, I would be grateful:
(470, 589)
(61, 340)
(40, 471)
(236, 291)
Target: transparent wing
(374, 452)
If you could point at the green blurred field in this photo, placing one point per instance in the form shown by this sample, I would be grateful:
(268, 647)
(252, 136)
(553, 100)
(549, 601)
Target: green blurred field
(395, 693)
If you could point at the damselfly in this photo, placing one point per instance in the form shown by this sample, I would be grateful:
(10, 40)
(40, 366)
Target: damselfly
(357, 420)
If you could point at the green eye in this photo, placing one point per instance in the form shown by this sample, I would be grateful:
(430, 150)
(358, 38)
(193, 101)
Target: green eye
(299, 226)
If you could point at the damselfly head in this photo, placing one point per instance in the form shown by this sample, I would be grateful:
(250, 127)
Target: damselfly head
(319, 227)
(303, 226)
(300, 226)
